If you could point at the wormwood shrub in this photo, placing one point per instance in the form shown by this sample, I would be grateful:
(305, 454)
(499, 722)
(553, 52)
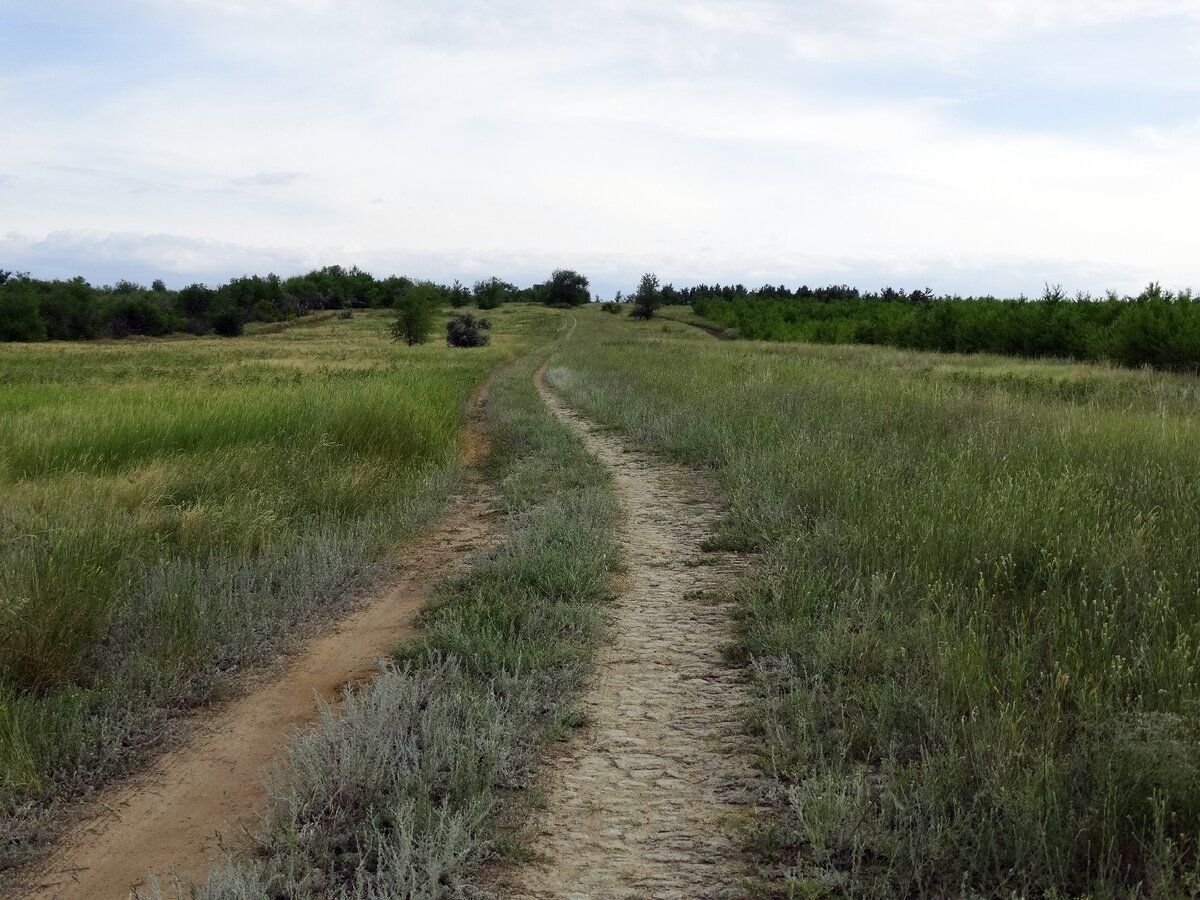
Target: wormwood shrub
(464, 330)
(975, 632)
(397, 796)
(388, 798)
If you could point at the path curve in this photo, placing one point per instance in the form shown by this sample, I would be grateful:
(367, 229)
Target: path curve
(197, 803)
(641, 803)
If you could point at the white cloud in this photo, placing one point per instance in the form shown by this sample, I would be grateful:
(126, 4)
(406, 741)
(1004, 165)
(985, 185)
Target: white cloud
(736, 139)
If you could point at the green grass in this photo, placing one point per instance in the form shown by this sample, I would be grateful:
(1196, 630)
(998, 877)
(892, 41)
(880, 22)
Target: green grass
(688, 316)
(173, 510)
(975, 631)
(404, 792)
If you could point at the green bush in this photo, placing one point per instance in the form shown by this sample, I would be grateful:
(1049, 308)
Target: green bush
(135, 314)
(228, 323)
(464, 330)
(19, 315)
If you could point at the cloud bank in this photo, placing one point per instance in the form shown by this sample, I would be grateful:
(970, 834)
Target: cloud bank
(984, 147)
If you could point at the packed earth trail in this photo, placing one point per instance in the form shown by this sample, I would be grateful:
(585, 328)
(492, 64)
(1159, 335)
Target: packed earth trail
(642, 802)
(198, 803)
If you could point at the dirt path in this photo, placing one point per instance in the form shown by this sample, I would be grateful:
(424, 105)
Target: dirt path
(639, 806)
(197, 802)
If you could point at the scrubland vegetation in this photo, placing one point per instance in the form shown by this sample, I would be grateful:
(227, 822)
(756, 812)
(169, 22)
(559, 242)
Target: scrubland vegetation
(975, 628)
(399, 795)
(172, 511)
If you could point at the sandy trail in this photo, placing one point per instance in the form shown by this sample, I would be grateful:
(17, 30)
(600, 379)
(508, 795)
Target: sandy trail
(196, 803)
(639, 805)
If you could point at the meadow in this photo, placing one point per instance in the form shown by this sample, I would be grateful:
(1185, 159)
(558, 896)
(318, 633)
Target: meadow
(973, 631)
(975, 628)
(175, 511)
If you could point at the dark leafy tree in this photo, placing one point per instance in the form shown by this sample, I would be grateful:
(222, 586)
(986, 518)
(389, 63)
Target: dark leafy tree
(19, 318)
(126, 288)
(491, 294)
(195, 301)
(567, 288)
(648, 297)
(414, 315)
(458, 295)
(228, 323)
(128, 314)
(70, 310)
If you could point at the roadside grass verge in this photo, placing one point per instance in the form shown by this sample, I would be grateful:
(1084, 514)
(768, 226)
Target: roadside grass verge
(975, 632)
(398, 795)
(172, 512)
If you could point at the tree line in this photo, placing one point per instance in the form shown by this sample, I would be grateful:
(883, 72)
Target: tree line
(33, 309)
(1157, 327)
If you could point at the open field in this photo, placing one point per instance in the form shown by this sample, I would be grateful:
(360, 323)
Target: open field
(971, 636)
(976, 631)
(174, 511)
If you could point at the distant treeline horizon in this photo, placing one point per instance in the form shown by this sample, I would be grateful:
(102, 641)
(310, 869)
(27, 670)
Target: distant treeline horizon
(1157, 327)
(33, 309)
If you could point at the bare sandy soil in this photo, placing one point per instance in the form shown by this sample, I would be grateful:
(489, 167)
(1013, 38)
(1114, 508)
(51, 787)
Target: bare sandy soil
(197, 803)
(641, 802)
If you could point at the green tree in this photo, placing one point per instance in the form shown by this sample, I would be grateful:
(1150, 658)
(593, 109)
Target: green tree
(459, 295)
(567, 288)
(228, 323)
(648, 297)
(19, 318)
(414, 314)
(492, 293)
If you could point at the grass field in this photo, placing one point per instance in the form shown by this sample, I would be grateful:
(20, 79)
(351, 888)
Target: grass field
(975, 631)
(174, 510)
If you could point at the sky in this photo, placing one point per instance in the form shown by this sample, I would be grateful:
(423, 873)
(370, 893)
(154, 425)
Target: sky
(970, 146)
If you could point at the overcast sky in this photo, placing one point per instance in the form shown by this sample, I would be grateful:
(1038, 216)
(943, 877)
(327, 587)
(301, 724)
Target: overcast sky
(967, 145)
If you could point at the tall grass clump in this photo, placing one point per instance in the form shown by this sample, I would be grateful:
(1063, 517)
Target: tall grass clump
(172, 512)
(400, 794)
(976, 629)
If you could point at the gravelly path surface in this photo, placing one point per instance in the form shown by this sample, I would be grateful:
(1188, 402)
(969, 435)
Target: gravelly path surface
(639, 805)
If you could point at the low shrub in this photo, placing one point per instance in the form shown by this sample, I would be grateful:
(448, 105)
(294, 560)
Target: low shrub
(464, 330)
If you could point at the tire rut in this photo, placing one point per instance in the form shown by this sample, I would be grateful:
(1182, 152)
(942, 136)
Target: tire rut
(641, 802)
(196, 804)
